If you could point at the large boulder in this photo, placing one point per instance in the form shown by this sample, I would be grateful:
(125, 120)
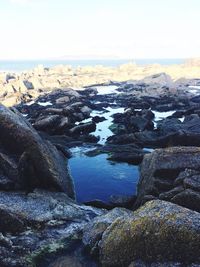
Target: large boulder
(160, 78)
(157, 232)
(38, 225)
(93, 232)
(171, 174)
(40, 164)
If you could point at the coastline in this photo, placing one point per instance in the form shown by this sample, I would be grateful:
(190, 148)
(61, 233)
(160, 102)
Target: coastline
(27, 65)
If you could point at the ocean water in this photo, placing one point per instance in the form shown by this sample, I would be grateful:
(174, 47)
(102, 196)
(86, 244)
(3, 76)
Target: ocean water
(23, 65)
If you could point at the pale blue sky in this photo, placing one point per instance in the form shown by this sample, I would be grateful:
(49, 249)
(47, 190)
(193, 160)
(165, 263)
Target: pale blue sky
(123, 28)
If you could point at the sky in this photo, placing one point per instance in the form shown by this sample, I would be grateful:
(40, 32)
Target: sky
(131, 29)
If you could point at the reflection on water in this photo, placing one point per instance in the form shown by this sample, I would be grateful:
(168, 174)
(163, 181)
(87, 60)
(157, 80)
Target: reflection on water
(102, 128)
(162, 115)
(98, 178)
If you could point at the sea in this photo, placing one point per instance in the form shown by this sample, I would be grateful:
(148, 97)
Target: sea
(24, 65)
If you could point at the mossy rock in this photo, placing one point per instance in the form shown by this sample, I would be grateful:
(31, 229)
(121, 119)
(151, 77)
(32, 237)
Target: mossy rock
(158, 232)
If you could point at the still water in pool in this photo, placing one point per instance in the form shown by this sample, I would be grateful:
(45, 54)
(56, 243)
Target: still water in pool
(98, 178)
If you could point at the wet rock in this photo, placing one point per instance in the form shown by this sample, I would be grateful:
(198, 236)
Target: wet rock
(167, 231)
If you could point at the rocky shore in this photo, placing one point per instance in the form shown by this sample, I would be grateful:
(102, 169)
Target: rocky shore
(157, 128)
(28, 85)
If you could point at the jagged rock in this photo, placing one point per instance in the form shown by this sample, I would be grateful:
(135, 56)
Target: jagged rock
(165, 169)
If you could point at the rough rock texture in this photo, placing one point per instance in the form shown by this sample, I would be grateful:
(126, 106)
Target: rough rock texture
(158, 232)
(94, 230)
(171, 174)
(40, 164)
(39, 224)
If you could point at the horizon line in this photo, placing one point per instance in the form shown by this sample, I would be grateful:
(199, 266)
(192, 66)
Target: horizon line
(103, 58)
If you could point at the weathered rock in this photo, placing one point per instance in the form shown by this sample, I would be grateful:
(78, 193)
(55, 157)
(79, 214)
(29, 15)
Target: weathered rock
(157, 232)
(41, 164)
(50, 222)
(42, 206)
(164, 169)
(94, 230)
